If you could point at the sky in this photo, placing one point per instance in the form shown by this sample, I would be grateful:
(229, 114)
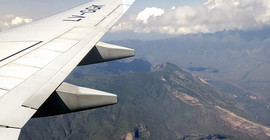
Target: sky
(154, 18)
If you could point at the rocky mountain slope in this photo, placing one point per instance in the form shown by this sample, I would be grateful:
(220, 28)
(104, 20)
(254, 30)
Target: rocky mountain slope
(236, 57)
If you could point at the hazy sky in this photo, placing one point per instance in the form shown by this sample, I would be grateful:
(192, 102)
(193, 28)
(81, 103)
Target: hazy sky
(166, 17)
(209, 17)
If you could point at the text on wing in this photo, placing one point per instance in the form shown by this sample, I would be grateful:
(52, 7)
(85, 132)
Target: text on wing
(81, 15)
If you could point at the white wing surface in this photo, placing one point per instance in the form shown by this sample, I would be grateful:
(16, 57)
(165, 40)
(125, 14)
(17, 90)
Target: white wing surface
(37, 57)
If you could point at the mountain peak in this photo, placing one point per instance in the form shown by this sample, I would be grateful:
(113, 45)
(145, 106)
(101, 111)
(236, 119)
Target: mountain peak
(166, 67)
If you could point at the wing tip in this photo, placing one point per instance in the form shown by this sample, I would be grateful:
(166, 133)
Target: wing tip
(128, 2)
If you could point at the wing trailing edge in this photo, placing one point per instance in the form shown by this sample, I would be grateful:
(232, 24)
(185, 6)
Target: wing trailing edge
(37, 57)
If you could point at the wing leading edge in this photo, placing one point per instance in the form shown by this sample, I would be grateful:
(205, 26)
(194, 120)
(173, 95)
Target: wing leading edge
(37, 57)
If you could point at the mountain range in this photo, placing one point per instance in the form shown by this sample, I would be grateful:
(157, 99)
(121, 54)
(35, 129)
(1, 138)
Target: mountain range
(158, 102)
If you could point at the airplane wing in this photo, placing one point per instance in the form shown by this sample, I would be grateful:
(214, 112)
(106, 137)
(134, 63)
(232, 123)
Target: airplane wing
(37, 57)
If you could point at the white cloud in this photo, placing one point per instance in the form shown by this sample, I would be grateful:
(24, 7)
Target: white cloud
(8, 21)
(149, 12)
(20, 20)
(212, 16)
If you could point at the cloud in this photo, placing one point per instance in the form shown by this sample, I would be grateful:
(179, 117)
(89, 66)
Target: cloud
(8, 21)
(212, 16)
(149, 12)
(20, 20)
